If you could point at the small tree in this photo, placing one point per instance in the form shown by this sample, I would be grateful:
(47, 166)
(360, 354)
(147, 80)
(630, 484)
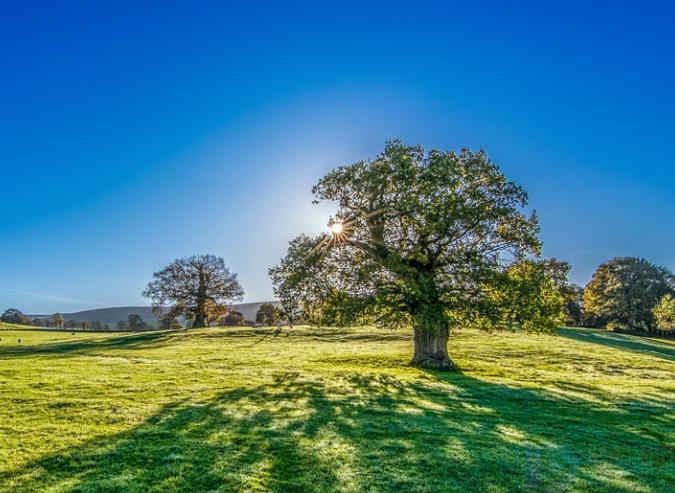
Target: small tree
(528, 296)
(135, 322)
(122, 325)
(57, 320)
(664, 313)
(193, 286)
(233, 318)
(297, 279)
(266, 314)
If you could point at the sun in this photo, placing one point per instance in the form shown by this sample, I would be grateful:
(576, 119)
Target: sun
(336, 228)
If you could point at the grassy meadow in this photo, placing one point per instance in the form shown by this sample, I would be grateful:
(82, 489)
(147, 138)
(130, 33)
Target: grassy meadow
(242, 409)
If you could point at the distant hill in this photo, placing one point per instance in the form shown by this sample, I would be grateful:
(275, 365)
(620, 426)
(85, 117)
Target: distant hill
(113, 315)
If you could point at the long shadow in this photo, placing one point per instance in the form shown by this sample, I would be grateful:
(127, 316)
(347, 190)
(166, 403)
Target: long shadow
(370, 433)
(621, 341)
(143, 340)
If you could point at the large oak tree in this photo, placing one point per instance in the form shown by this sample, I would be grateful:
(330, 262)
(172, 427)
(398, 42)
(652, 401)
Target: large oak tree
(426, 233)
(192, 287)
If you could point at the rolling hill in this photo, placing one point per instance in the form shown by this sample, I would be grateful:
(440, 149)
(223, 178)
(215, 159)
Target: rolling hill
(113, 315)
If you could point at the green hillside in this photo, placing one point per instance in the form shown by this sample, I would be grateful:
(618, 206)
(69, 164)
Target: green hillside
(334, 410)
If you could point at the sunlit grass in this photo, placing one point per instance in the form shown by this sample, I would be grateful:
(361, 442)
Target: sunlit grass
(334, 410)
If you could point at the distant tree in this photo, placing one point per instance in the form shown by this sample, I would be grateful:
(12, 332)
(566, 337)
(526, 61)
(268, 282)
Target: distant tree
(106, 327)
(71, 324)
(664, 313)
(14, 316)
(191, 285)
(96, 325)
(122, 325)
(135, 322)
(85, 324)
(425, 232)
(267, 314)
(57, 320)
(293, 277)
(37, 322)
(169, 322)
(624, 291)
(233, 318)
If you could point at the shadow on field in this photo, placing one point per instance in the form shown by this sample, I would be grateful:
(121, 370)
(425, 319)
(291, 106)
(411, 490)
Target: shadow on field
(155, 339)
(442, 432)
(142, 340)
(621, 341)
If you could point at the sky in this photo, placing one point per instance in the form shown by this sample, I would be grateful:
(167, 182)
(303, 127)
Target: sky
(132, 134)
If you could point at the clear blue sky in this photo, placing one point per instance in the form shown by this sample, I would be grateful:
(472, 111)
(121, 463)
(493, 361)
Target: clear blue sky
(132, 135)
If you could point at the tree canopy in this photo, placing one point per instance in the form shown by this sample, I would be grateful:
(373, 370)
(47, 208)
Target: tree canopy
(623, 291)
(195, 287)
(14, 316)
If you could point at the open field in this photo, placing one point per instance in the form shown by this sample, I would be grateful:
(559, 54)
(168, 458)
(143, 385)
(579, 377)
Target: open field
(243, 409)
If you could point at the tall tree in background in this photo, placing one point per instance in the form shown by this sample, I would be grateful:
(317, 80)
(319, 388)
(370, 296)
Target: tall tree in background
(624, 291)
(425, 232)
(193, 286)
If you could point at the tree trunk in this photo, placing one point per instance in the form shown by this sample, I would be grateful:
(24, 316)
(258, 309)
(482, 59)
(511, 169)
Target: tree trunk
(431, 342)
(199, 321)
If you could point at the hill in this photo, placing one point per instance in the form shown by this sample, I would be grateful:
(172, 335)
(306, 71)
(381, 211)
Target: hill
(243, 409)
(113, 315)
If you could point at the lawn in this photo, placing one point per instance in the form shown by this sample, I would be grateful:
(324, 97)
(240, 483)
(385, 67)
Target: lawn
(334, 410)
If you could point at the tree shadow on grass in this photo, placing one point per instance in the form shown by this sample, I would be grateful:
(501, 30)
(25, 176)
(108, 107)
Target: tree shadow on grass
(622, 341)
(441, 432)
(62, 348)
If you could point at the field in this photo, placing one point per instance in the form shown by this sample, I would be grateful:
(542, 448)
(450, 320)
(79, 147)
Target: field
(334, 410)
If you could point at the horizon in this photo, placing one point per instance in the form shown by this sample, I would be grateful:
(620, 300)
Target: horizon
(133, 136)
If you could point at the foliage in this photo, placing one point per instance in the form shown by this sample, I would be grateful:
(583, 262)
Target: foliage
(624, 291)
(14, 316)
(169, 322)
(529, 295)
(664, 313)
(297, 280)
(233, 318)
(135, 322)
(267, 314)
(196, 287)
(334, 410)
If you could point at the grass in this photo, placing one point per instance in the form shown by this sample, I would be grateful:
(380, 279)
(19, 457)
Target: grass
(334, 410)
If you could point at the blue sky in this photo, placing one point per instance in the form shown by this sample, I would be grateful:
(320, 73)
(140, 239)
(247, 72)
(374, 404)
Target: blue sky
(131, 135)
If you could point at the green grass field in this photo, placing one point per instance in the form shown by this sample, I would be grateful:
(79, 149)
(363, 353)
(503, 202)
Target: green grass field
(334, 410)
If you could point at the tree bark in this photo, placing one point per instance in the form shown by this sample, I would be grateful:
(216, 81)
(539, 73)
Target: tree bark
(431, 343)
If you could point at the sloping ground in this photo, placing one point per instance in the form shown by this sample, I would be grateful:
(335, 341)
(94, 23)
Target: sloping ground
(333, 410)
